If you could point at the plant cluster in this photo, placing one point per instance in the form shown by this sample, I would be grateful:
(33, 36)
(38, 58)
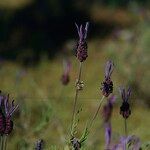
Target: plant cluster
(125, 142)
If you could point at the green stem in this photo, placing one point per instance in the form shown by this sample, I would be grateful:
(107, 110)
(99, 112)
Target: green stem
(96, 113)
(76, 95)
(5, 142)
(125, 127)
(2, 140)
(125, 130)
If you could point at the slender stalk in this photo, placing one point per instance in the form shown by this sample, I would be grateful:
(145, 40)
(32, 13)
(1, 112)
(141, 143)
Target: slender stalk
(125, 127)
(5, 142)
(125, 130)
(76, 94)
(96, 113)
(2, 140)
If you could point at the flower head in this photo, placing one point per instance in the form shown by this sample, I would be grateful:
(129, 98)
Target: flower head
(107, 84)
(6, 111)
(66, 69)
(81, 49)
(125, 107)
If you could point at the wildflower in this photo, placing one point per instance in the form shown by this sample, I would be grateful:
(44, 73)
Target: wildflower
(130, 142)
(65, 76)
(6, 111)
(2, 118)
(125, 107)
(106, 113)
(81, 49)
(107, 84)
(39, 145)
(107, 109)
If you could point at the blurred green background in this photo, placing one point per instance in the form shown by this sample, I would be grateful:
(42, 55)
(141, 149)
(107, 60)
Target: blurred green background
(37, 35)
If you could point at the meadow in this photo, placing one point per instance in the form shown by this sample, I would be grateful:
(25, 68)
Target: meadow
(45, 105)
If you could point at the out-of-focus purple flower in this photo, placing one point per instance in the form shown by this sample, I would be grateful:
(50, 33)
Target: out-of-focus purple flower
(130, 142)
(107, 135)
(66, 70)
(81, 49)
(125, 107)
(107, 108)
(39, 145)
(6, 111)
(107, 84)
(106, 113)
(133, 142)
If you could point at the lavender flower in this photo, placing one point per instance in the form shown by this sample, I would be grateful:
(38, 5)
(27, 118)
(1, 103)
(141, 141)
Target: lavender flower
(107, 84)
(132, 142)
(39, 145)
(106, 113)
(6, 111)
(125, 107)
(65, 76)
(107, 109)
(2, 118)
(81, 49)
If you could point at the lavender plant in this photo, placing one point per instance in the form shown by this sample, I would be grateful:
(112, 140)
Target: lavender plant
(125, 107)
(107, 87)
(106, 114)
(81, 54)
(6, 124)
(107, 84)
(126, 142)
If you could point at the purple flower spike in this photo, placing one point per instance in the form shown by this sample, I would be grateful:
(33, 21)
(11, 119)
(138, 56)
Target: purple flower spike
(107, 84)
(81, 49)
(125, 107)
(107, 109)
(65, 76)
(6, 111)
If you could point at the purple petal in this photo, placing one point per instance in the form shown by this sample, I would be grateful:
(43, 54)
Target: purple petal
(128, 93)
(13, 110)
(77, 29)
(109, 69)
(81, 33)
(6, 105)
(86, 30)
